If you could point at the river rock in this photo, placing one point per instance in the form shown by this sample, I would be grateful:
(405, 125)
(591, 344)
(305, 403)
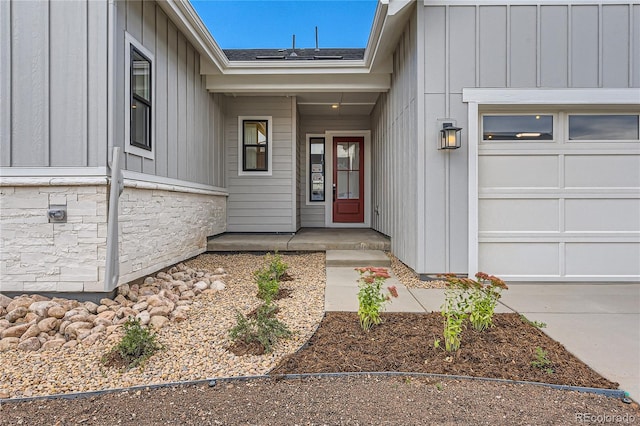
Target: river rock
(102, 321)
(30, 317)
(24, 301)
(201, 285)
(163, 276)
(30, 344)
(217, 285)
(124, 290)
(108, 315)
(32, 331)
(5, 300)
(17, 313)
(121, 300)
(57, 311)
(92, 338)
(144, 317)
(73, 330)
(41, 308)
(49, 324)
(15, 331)
(91, 307)
(107, 302)
(160, 310)
(158, 321)
(53, 344)
(141, 306)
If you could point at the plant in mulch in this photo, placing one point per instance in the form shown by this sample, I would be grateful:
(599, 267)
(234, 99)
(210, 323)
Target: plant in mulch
(263, 328)
(536, 324)
(466, 298)
(370, 296)
(268, 285)
(542, 361)
(137, 344)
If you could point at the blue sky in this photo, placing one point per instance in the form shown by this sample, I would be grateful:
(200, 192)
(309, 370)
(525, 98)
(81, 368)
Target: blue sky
(242, 24)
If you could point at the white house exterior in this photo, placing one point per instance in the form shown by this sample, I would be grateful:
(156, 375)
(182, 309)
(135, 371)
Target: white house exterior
(545, 186)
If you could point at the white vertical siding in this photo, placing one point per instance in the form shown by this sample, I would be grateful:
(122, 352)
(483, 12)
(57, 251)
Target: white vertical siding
(533, 45)
(261, 203)
(394, 160)
(313, 215)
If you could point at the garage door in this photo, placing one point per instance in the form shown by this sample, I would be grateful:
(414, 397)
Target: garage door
(559, 196)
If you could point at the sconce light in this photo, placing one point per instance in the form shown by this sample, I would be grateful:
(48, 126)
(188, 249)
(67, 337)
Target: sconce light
(449, 136)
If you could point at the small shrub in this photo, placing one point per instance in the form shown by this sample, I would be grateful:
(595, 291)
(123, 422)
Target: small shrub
(137, 344)
(542, 361)
(268, 286)
(484, 295)
(454, 311)
(276, 265)
(264, 328)
(370, 297)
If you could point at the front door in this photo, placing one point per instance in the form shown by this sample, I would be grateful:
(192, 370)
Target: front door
(348, 179)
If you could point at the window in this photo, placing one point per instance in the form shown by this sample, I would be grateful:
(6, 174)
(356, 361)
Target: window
(254, 147)
(603, 127)
(316, 169)
(517, 127)
(139, 98)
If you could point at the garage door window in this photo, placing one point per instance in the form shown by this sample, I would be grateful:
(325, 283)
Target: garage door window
(603, 127)
(517, 127)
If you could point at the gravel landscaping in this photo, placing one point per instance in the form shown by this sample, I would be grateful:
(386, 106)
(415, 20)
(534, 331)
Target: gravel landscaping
(195, 348)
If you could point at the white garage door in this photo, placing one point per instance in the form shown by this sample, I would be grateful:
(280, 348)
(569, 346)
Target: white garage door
(559, 196)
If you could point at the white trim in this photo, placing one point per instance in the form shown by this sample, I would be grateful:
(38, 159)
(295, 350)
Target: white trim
(522, 2)
(270, 145)
(129, 40)
(328, 211)
(53, 181)
(307, 177)
(53, 172)
(145, 181)
(294, 165)
(551, 97)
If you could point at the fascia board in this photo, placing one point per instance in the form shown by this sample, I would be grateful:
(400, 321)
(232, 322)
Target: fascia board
(298, 83)
(187, 20)
(571, 96)
(292, 68)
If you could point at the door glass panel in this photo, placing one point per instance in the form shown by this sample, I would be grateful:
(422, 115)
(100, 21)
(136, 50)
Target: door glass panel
(342, 155)
(354, 153)
(354, 185)
(603, 127)
(343, 185)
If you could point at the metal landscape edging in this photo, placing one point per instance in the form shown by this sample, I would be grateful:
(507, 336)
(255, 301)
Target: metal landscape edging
(611, 393)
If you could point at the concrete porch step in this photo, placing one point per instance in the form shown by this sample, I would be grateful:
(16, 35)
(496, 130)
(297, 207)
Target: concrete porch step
(355, 258)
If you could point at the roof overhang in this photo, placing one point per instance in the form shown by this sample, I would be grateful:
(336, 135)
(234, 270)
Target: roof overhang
(267, 76)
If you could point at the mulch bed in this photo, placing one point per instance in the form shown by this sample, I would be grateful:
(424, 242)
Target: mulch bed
(405, 342)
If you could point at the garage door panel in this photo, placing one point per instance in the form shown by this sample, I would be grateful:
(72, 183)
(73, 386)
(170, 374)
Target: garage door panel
(602, 215)
(602, 259)
(513, 171)
(523, 215)
(598, 171)
(504, 259)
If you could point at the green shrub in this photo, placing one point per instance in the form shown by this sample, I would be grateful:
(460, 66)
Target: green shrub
(264, 328)
(137, 344)
(268, 286)
(276, 266)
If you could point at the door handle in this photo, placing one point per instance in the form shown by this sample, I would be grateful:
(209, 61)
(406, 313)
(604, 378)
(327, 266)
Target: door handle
(334, 192)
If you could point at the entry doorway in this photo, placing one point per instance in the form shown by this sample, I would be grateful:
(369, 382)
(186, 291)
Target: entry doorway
(348, 179)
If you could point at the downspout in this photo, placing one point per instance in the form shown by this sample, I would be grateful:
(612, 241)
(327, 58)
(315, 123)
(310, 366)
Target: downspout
(116, 186)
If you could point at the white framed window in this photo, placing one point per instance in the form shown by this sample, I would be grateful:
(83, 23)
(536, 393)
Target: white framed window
(603, 127)
(140, 98)
(255, 145)
(517, 127)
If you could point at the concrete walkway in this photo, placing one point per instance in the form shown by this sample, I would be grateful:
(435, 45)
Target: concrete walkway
(598, 323)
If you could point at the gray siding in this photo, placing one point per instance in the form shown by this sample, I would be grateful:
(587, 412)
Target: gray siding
(187, 128)
(262, 203)
(313, 216)
(506, 46)
(54, 84)
(395, 159)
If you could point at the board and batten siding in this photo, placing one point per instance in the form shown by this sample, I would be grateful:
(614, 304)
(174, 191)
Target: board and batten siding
(53, 90)
(187, 123)
(262, 203)
(396, 161)
(520, 46)
(312, 215)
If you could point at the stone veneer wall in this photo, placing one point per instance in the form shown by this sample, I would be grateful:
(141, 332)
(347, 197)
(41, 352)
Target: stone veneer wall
(38, 256)
(158, 227)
